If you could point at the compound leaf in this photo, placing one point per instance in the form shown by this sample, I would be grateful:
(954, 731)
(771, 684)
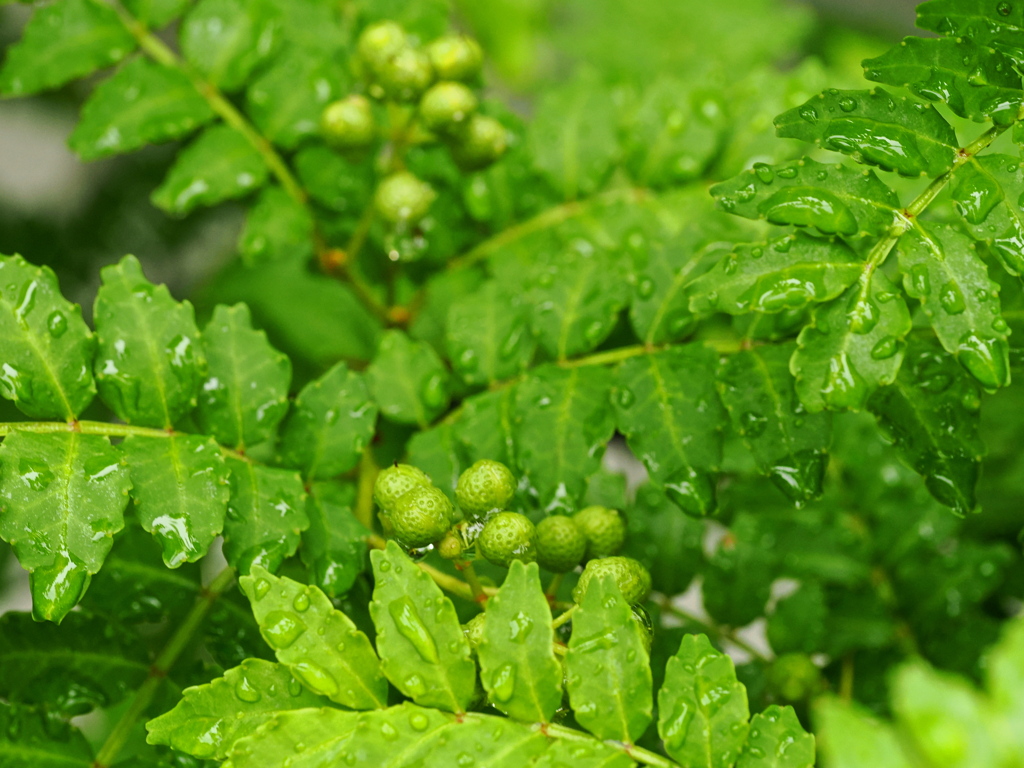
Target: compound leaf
(998, 25)
(318, 643)
(32, 739)
(226, 39)
(408, 380)
(487, 336)
(334, 545)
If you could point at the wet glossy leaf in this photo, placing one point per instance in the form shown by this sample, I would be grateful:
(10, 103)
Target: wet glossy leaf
(62, 499)
(986, 193)
(667, 407)
(875, 128)
(226, 39)
(789, 444)
(853, 346)
(278, 228)
(518, 667)
(408, 380)
(942, 269)
(334, 545)
(210, 718)
(783, 274)
(149, 363)
(488, 338)
(266, 515)
(702, 708)
(30, 739)
(975, 81)
(180, 490)
(245, 394)
(561, 425)
(582, 754)
(834, 199)
(319, 644)
(142, 103)
(987, 23)
(45, 345)
(607, 668)
(219, 165)
(777, 740)
(438, 453)
(425, 655)
(331, 423)
(485, 428)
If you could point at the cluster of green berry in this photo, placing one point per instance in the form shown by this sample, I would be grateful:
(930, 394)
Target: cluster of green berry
(435, 80)
(417, 514)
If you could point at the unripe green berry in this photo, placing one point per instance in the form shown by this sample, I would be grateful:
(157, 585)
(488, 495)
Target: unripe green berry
(474, 630)
(560, 544)
(604, 529)
(379, 43)
(406, 75)
(455, 57)
(422, 516)
(794, 677)
(480, 143)
(633, 579)
(484, 487)
(348, 124)
(447, 106)
(394, 482)
(402, 198)
(450, 547)
(506, 537)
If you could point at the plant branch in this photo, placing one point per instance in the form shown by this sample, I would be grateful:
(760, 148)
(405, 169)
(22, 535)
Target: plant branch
(122, 731)
(466, 567)
(368, 470)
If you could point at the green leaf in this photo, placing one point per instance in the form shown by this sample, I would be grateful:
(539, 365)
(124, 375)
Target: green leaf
(142, 103)
(331, 424)
(518, 667)
(334, 545)
(45, 345)
(789, 444)
(408, 380)
(1004, 671)
(155, 13)
(437, 452)
(985, 192)
(278, 228)
(782, 274)
(62, 42)
(425, 655)
(31, 739)
(738, 574)
(572, 137)
(245, 394)
(667, 407)
(875, 128)
(608, 673)
(562, 423)
(853, 346)
(484, 428)
(668, 542)
(319, 644)
(834, 199)
(266, 515)
(943, 270)
(998, 24)
(579, 754)
(226, 40)
(777, 740)
(426, 18)
(702, 708)
(851, 738)
(337, 182)
(210, 718)
(488, 338)
(931, 414)
(148, 362)
(68, 491)
(86, 664)
(302, 738)
(976, 82)
(219, 165)
(180, 490)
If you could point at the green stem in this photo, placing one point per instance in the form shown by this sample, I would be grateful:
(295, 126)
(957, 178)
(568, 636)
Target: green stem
(564, 617)
(447, 582)
(636, 753)
(479, 594)
(368, 470)
(554, 585)
(161, 667)
(723, 634)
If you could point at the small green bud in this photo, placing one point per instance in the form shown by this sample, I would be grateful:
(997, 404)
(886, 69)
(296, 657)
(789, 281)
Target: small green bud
(560, 544)
(402, 198)
(406, 75)
(348, 124)
(484, 487)
(506, 537)
(379, 43)
(446, 107)
(450, 547)
(480, 143)
(633, 579)
(422, 516)
(604, 529)
(455, 57)
(474, 630)
(394, 482)
(794, 677)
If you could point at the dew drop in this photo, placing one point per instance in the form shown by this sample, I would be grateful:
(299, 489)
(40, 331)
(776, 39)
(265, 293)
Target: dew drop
(885, 348)
(503, 683)
(261, 588)
(301, 602)
(410, 626)
(316, 678)
(57, 324)
(283, 628)
(952, 299)
(246, 691)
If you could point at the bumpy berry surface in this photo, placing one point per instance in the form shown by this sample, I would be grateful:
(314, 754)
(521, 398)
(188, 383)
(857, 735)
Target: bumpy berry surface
(560, 544)
(402, 197)
(348, 123)
(474, 630)
(379, 43)
(394, 482)
(633, 579)
(447, 106)
(406, 75)
(480, 143)
(604, 529)
(422, 516)
(484, 487)
(794, 677)
(506, 537)
(455, 57)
